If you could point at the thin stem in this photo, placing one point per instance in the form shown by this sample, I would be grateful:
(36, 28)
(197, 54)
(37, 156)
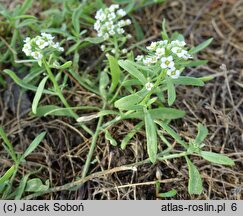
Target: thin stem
(92, 146)
(62, 98)
(161, 76)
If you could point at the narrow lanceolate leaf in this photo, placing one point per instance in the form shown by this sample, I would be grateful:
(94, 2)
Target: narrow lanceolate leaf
(151, 135)
(110, 138)
(7, 175)
(195, 180)
(115, 72)
(21, 187)
(8, 147)
(53, 110)
(38, 94)
(200, 46)
(132, 70)
(171, 132)
(104, 81)
(202, 134)
(217, 158)
(24, 84)
(33, 145)
(171, 91)
(167, 194)
(131, 134)
(183, 80)
(25, 6)
(75, 19)
(126, 102)
(159, 113)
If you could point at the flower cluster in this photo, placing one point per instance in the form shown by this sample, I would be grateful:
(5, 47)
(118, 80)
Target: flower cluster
(109, 23)
(167, 54)
(35, 47)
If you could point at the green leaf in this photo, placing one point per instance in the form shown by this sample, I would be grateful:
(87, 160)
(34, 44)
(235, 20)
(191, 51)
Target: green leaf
(104, 81)
(36, 185)
(33, 145)
(201, 135)
(24, 84)
(110, 138)
(131, 134)
(38, 94)
(75, 18)
(206, 78)
(151, 135)
(217, 158)
(195, 180)
(171, 91)
(9, 147)
(94, 40)
(159, 113)
(168, 194)
(171, 132)
(132, 70)
(200, 46)
(25, 6)
(138, 29)
(164, 33)
(66, 65)
(126, 102)
(115, 72)
(54, 110)
(21, 187)
(194, 63)
(183, 80)
(7, 175)
(82, 82)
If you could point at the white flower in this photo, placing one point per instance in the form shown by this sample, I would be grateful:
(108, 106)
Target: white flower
(57, 46)
(163, 43)
(37, 55)
(27, 40)
(120, 30)
(128, 22)
(27, 49)
(41, 43)
(113, 7)
(152, 46)
(113, 51)
(111, 16)
(121, 13)
(121, 23)
(129, 36)
(102, 47)
(160, 51)
(173, 73)
(100, 15)
(112, 32)
(181, 53)
(178, 43)
(124, 51)
(107, 22)
(97, 25)
(139, 58)
(147, 61)
(47, 36)
(167, 62)
(149, 86)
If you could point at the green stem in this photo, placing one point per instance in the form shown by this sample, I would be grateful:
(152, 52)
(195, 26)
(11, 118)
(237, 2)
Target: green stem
(62, 98)
(171, 156)
(157, 83)
(92, 146)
